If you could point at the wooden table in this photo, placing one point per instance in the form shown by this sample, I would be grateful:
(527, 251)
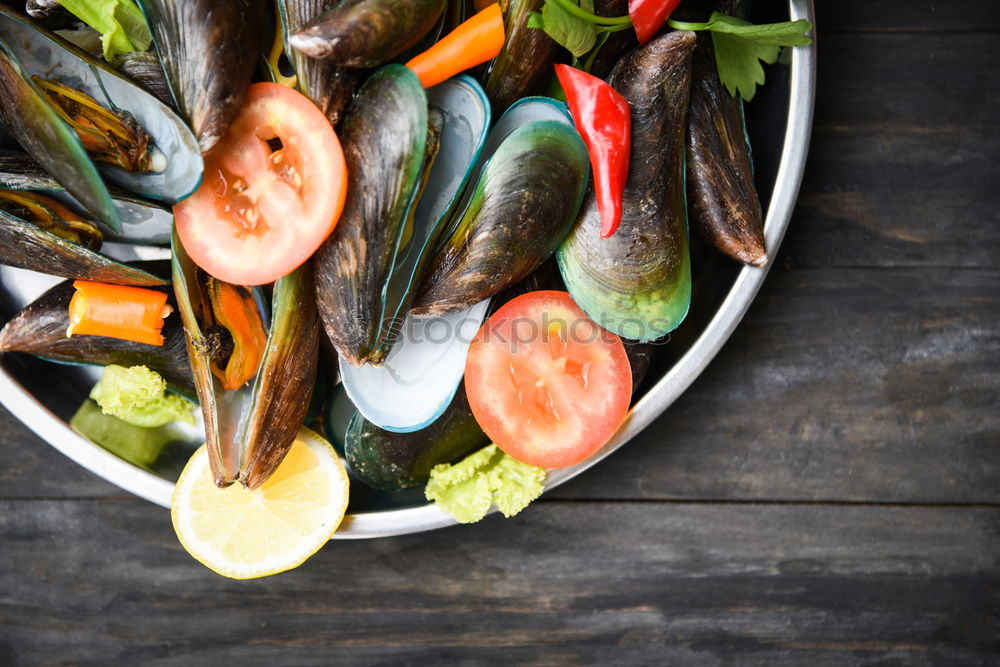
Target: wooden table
(827, 493)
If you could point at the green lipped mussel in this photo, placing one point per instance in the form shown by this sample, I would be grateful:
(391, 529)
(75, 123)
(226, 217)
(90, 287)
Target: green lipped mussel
(392, 461)
(142, 221)
(250, 428)
(407, 164)
(722, 198)
(209, 50)
(50, 243)
(367, 33)
(524, 65)
(527, 192)
(77, 117)
(329, 85)
(637, 283)
(384, 137)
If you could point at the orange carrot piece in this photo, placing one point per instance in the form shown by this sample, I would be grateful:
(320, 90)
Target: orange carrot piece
(473, 42)
(117, 311)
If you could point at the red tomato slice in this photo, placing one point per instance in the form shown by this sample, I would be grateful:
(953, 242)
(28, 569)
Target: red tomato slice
(273, 190)
(545, 383)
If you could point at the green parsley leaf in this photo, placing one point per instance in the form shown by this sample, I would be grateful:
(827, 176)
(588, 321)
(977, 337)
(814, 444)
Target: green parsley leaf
(574, 34)
(738, 61)
(741, 47)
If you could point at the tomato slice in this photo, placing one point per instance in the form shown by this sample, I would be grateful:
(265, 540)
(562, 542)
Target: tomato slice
(273, 190)
(545, 383)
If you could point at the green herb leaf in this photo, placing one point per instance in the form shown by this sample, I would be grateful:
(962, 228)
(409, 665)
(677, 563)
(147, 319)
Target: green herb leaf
(574, 34)
(788, 33)
(740, 47)
(121, 24)
(467, 489)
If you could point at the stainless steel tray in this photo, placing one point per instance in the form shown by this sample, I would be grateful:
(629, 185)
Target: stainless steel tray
(44, 396)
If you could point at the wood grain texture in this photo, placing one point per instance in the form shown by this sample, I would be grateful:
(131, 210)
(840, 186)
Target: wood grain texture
(901, 169)
(898, 15)
(567, 583)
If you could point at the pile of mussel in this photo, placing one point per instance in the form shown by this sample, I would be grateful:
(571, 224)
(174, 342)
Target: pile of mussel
(459, 196)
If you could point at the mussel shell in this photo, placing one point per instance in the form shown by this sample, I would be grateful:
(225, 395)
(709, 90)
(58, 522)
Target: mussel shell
(384, 137)
(46, 55)
(526, 198)
(27, 246)
(524, 65)
(144, 69)
(209, 50)
(40, 329)
(722, 198)
(50, 14)
(327, 84)
(284, 385)
(249, 430)
(392, 461)
(142, 221)
(367, 33)
(637, 283)
(223, 411)
(41, 132)
(640, 357)
(619, 43)
(459, 113)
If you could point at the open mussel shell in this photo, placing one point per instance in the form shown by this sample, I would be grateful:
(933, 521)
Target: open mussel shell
(637, 283)
(722, 198)
(49, 57)
(419, 364)
(27, 246)
(248, 430)
(417, 380)
(40, 330)
(524, 65)
(459, 112)
(528, 188)
(385, 140)
(367, 33)
(142, 221)
(329, 85)
(40, 131)
(393, 461)
(209, 50)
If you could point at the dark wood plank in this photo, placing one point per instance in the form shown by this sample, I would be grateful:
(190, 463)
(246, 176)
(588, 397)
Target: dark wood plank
(877, 385)
(34, 468)
(894, 15)
(901, 168)
(932, 81)
(565, 583)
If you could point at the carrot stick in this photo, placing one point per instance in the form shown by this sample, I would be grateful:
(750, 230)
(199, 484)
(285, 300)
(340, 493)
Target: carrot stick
(473, 42)
(117, 311)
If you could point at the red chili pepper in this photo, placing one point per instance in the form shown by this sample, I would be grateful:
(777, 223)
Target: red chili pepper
(604, 120)
(648, 16)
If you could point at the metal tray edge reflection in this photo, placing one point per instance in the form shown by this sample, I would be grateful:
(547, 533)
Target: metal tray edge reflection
(656, 400)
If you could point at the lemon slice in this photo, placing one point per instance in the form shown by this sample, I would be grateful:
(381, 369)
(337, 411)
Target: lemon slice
(246, 534)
